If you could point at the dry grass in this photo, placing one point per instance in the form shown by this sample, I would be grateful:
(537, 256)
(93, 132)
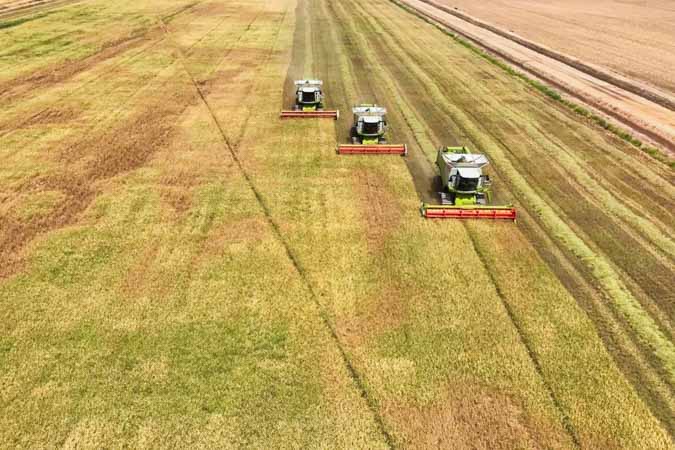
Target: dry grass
(395, 37)
(163, 293)
(153, 314)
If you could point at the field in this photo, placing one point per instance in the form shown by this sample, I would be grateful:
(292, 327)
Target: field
(631, 37)
(181, 268)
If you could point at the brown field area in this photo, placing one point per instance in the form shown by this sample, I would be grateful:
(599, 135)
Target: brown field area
(180, 268)
(632, 37)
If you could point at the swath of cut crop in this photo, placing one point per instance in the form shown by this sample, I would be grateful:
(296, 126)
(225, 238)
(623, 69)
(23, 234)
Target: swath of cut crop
(384, 52)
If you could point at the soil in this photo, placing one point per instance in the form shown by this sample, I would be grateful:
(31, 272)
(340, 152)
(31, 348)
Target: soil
(650, 118)
(632, 37)
(10, 8)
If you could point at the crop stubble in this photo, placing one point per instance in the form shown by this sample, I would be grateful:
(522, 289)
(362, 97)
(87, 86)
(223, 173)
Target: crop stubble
(368, 69)
(417, 305)
(165, 281)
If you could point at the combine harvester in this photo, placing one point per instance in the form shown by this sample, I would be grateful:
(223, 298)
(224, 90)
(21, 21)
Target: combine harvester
(466, 191)
(309, 101)
(370, 125)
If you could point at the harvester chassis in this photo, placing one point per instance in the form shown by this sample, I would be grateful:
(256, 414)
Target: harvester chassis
(449, 199)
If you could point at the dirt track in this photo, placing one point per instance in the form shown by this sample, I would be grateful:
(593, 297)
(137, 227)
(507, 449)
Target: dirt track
(631, 37)
(10, 8)
(635, 111)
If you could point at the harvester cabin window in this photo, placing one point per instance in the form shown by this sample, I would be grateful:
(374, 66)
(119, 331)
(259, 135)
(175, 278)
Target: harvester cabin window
(371, 128)
(308, 97)
(467, 184)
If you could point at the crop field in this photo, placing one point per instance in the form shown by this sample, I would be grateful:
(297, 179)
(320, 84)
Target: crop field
(180, 268)
(628, 36)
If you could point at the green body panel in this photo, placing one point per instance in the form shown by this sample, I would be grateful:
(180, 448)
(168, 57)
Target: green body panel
(309, 108)
(367, 141)
(465, 199)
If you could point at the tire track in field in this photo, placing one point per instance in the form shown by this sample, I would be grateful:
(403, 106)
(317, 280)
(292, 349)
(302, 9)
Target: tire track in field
(226, 54)
(138, 139)
(644, 276)
(381, 49)
(24, 7)
(433, 75)
(23, 85)
(232, 149)
(428, 176)
(658, 398)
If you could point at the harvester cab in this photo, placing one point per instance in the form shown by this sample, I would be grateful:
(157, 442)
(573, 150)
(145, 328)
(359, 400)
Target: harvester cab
(309, 101)
(370, 124)
(466, 189)
(367, 133)
(462, 177)
(308, 95)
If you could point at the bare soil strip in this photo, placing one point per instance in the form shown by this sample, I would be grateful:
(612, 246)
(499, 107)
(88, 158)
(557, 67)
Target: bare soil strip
(21, 7)
(633, 110)
(630, 38)
(661, 98)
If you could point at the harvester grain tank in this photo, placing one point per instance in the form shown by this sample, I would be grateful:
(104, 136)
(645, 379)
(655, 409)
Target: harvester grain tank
(368, 133)
(466, 189)
(309, 101)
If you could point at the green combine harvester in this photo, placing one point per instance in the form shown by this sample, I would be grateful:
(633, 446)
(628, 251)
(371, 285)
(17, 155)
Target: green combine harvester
(368, 133)
(309, 101)
(466, 189)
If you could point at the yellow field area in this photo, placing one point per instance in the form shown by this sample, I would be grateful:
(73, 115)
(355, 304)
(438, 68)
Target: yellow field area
(180, 268)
